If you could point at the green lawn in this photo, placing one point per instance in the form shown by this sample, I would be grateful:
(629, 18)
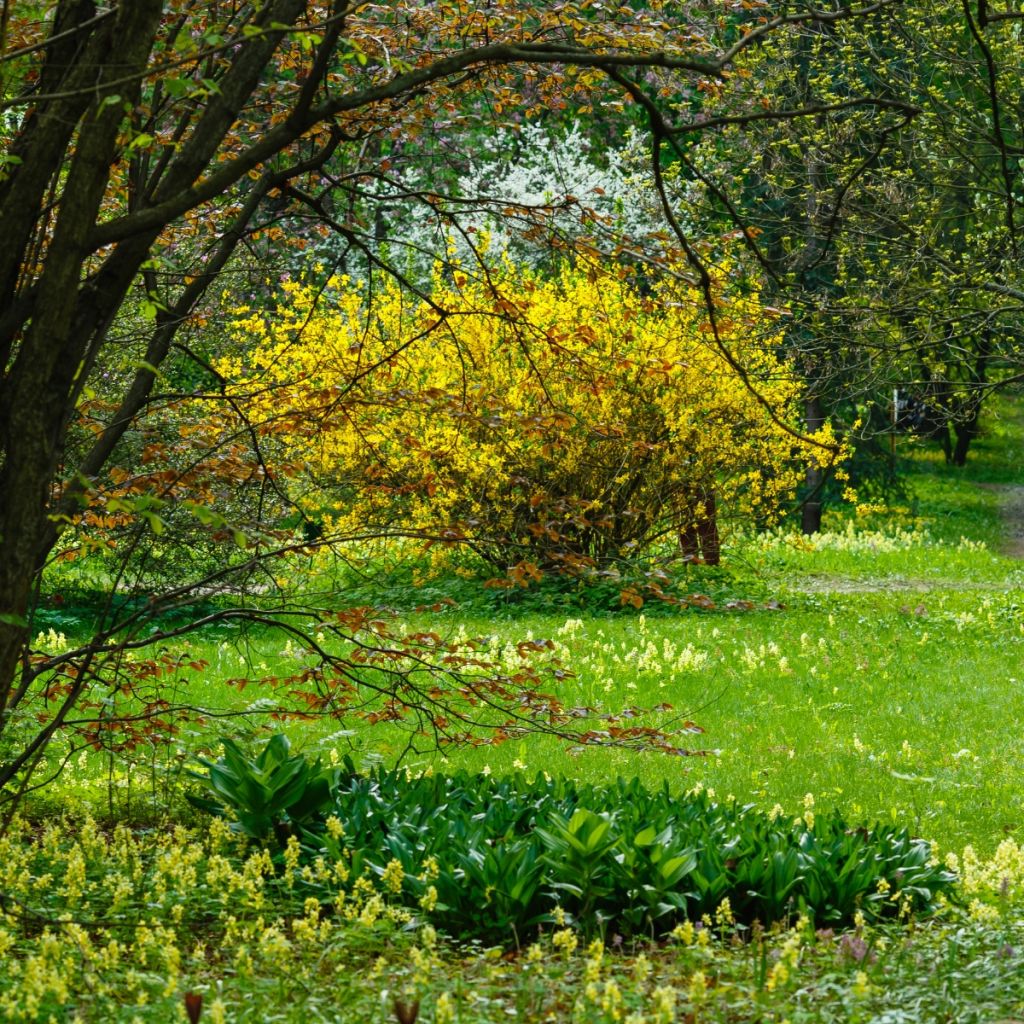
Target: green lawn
(895, 703)
(886, 682)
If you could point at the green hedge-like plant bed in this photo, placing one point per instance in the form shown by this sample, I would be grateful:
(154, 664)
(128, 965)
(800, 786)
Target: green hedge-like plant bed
(492, 858)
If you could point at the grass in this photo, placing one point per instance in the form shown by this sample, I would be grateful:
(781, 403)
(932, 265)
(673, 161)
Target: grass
(890, 704)
(886, 684)
(887, 713)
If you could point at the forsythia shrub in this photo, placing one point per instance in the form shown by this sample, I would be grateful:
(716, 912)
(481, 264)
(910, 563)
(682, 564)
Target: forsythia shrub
(567, 420)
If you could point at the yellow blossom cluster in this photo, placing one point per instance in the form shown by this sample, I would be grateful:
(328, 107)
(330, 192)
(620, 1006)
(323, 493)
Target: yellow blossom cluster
(573, 416)
(855, 540)
(999, 879)
(108, 919)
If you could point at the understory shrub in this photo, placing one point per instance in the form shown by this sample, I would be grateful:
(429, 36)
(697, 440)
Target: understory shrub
(564, 421)
(496, 858)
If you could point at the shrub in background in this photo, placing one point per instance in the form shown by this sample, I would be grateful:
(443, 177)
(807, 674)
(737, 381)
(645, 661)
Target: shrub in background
(554, 422)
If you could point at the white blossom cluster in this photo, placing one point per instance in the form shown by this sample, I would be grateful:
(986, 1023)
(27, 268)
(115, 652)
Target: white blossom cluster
(526, 194)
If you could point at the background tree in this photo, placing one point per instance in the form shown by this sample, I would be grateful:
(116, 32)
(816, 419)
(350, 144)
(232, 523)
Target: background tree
(882, 214)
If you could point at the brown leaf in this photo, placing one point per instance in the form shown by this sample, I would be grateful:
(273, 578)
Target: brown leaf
(406, 1013)
(193, 1006)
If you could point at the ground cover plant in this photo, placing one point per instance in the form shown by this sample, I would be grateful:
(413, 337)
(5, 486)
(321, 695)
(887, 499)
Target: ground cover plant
(494, 859)
(120, 924)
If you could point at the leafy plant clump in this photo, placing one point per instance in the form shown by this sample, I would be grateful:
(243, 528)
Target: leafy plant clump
(497, 858)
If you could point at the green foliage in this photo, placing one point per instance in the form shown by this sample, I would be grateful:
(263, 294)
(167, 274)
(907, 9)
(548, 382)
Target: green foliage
(664, 581)
(270, 792)
(503, 855)
(109, 925)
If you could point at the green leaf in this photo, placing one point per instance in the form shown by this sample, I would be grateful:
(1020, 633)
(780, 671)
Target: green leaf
(177, 87)
(140, 141)
(156, 524)
(645, 837)
(206, 516)
(674, 868)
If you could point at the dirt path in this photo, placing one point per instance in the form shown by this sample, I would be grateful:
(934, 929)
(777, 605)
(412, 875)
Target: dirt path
(876, 584)
(1011, 507)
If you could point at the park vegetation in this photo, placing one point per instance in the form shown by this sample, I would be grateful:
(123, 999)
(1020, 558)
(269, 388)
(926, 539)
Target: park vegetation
(472, 539)
(555, 423)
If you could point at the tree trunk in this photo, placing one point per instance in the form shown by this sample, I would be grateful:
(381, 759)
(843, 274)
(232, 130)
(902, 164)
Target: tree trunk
(967, 428)
(698, 536)
(707, 529)
(814, 479)
(46, 365)
(966, 431)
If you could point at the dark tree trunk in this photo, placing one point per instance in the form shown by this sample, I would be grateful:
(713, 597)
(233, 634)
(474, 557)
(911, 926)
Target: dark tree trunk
(53, 328)
(46, 368)
(965, 434)
(941, 434)
(814, 479)
(698, 537)
(707, 530)
(966, 429)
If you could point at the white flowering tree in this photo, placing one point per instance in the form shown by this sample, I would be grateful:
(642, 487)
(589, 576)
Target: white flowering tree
(533, 193)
